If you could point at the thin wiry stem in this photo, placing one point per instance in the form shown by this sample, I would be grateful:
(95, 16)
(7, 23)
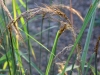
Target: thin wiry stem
(13, 53)
(29, 53)
(75, 56)
(96, 64)
(41, 39)
(48, 40)
(71, 15)
(65, 48)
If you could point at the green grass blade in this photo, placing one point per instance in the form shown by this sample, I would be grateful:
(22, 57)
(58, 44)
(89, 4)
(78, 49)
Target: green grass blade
(89, 64)
(85, 50)
(3, 58)
(51, 55)
(21, 19)
(22, 3)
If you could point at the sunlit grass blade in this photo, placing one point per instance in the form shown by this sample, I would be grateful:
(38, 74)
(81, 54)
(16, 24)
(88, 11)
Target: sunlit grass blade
(21, 19)
(25, 28)
(22, 3)
(32, 50)
(5, 65)
(51, 55)
(16, 44)
(86, 20)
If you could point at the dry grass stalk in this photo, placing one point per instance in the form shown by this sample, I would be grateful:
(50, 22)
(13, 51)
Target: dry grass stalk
(65, 48)
(60, 68)
(78, 54)
(6, 9)
(97, 45)
(12, 24)
(53, 9)
(47, 9)
(58, 12)
(70, 9)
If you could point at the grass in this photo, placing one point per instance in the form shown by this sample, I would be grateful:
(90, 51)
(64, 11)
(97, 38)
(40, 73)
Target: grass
(14, 33)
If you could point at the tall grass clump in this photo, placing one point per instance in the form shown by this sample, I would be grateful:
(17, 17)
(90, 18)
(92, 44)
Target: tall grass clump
(14, 34)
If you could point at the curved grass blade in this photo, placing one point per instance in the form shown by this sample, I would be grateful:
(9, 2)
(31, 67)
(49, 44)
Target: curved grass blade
(51, 55)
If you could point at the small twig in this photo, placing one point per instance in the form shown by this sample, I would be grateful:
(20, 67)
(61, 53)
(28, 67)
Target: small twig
(67, 47)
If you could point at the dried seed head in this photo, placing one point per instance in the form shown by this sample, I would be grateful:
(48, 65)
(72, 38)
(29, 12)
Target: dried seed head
(97, 45)
(61, 67)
